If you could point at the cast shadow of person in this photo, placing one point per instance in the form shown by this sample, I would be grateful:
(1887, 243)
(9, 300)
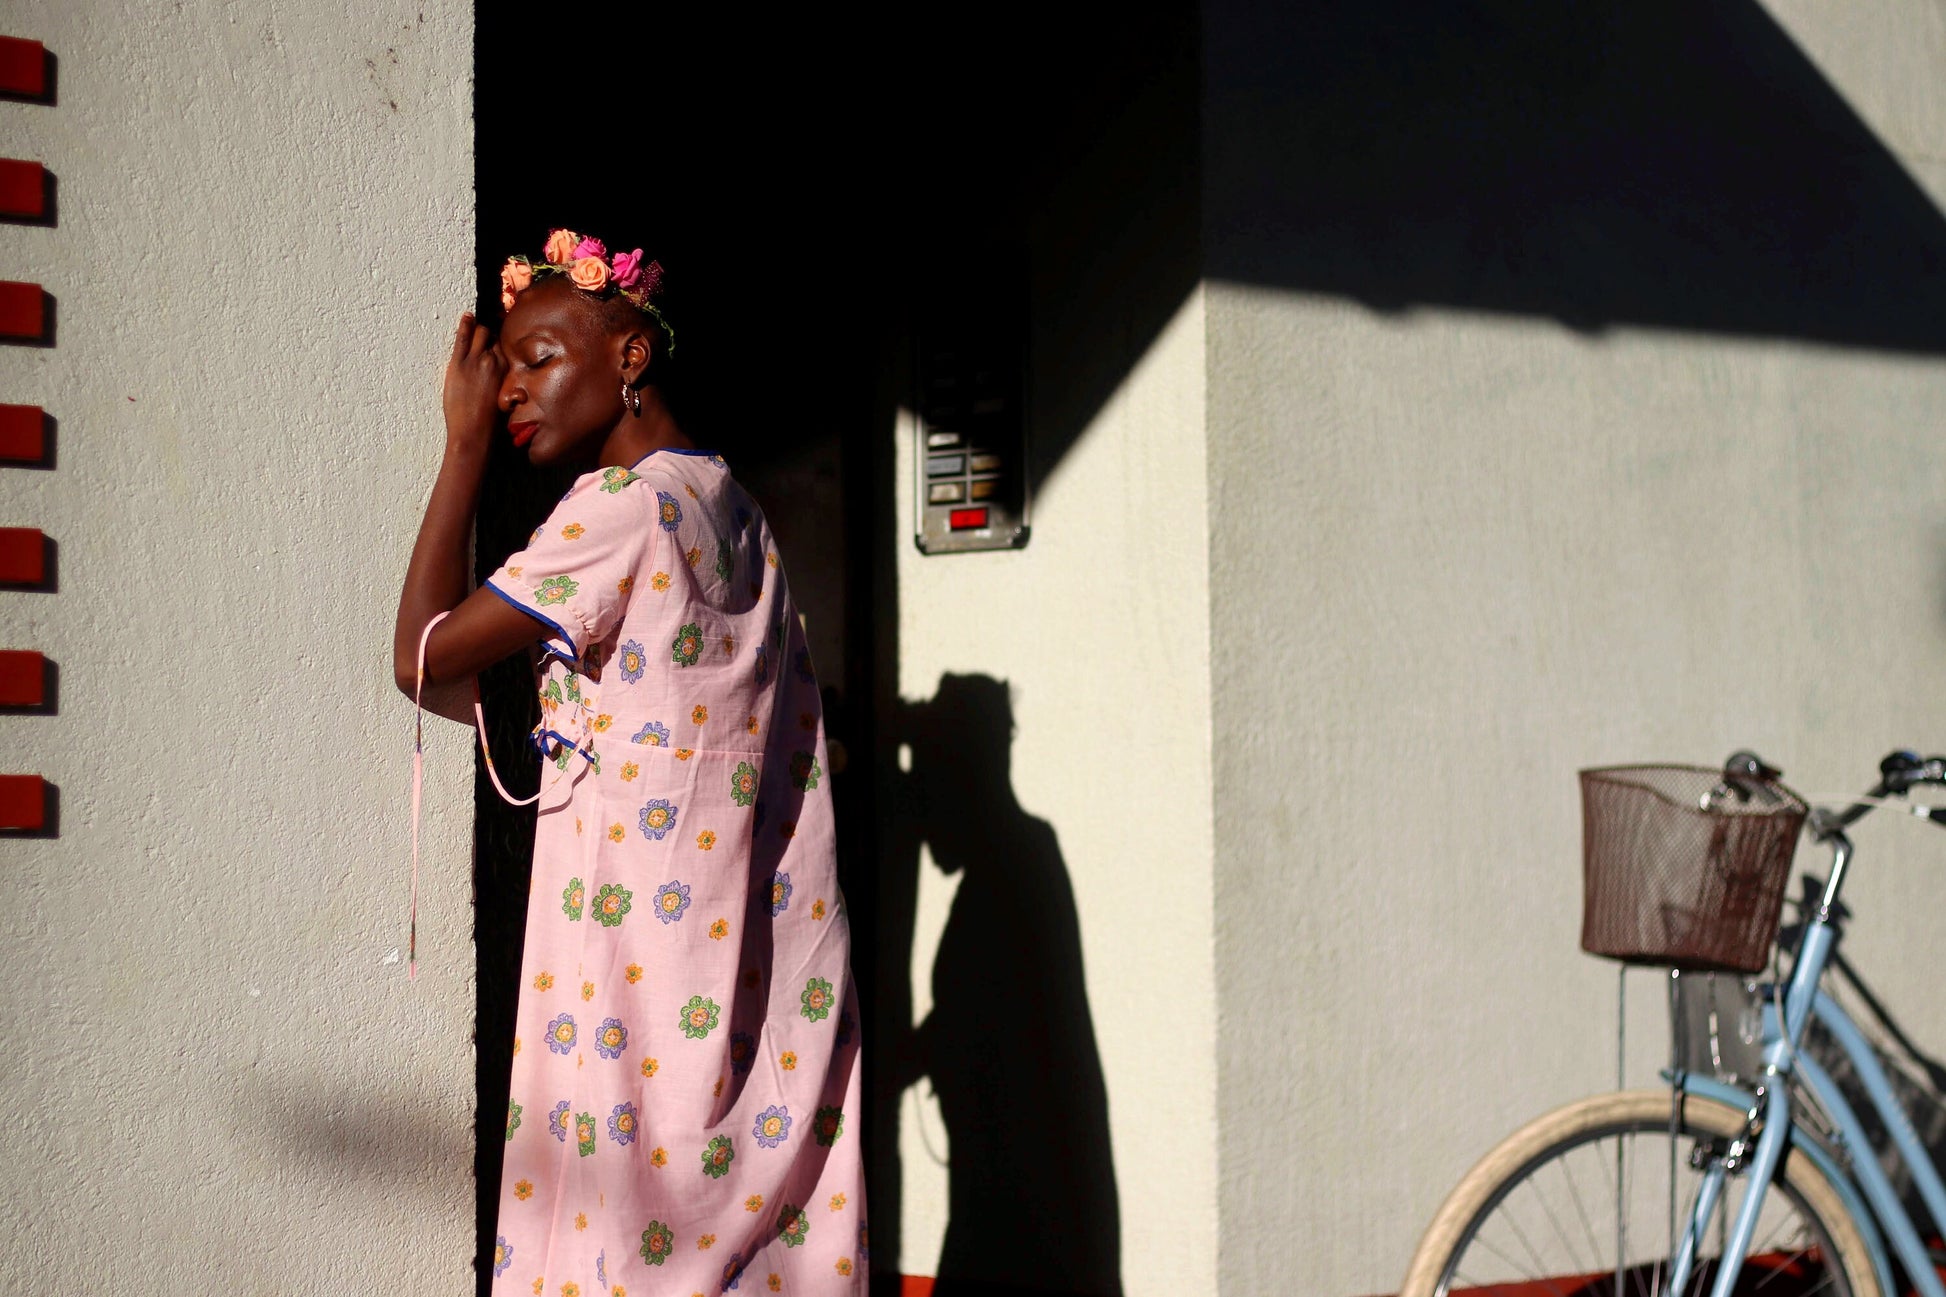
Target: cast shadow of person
(1009, 1046)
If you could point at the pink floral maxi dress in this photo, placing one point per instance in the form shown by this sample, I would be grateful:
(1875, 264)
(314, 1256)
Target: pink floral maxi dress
(685, 1091)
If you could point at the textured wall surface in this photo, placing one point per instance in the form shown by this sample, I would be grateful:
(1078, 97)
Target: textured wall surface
(1099, 629)
(1456, 557)
(215, 1081)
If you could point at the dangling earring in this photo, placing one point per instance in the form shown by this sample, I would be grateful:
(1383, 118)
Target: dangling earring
(632, 399)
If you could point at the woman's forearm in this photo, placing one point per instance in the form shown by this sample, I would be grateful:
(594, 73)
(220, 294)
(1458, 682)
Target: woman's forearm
(438, 576)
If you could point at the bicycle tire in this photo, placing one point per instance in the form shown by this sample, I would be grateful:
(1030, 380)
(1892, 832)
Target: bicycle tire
(1523, 1156)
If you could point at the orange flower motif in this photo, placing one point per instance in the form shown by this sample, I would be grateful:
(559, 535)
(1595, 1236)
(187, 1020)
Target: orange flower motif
(659, 1158)
(573, 531)
(543, 981)
(513, 571)
(755, 1202)
(624, 585)
(718, 1091)
(719, 930)
(589, 274)
(776, 1283)
(844, 1265)
(817, 908)
(516, 1046)
(683, 754)
(629, 771)
(524, 1190)
(616, 833)
(705, 840)
(538, 1282)
(649, 1067)
(570, 1289)
(771, 558)
(581, 1220)
(706, 1242)
(692, 491)
(838, 1201)
(729, 645)
(751, 725)
(587, 990)
(633, 973)
(788, 1060)
(659, 582)
(700, 715)
(577, 824)
(602, 722)
(560, 246)
(694, 556)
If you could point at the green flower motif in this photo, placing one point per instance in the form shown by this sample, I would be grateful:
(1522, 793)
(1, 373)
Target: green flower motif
(513, 1118)
(612, 481)
(571, 683)
(687, 647)
(699, 1017)
(717, 1157)
(743, 784)
(792, 1225)
(725, 565)
(552, 691)
(556, 589)
(804, 771)
(816, 999)
(611, 903)
(828, 1125)
(584, 1133)
(571, 898)
(657, 1240)
(561, 758)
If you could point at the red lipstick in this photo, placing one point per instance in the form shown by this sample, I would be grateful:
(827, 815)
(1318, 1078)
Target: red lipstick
(522, 433)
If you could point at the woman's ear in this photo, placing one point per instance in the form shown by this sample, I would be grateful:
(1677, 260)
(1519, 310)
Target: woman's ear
(638, 348)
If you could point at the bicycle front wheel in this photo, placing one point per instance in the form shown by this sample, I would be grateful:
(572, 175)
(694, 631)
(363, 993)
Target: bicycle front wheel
(1585, 1202)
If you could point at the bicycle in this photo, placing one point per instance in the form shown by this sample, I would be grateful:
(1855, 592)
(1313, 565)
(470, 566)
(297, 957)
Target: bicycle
(1750, 1171)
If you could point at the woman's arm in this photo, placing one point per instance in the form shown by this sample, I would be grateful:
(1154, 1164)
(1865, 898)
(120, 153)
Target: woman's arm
(482, 628)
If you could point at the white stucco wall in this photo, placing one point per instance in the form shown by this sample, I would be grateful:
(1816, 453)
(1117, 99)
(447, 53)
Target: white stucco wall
(1099, 627)
(215, 1082)
(1453, 560)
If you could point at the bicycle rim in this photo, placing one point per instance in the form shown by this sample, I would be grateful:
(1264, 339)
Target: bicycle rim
(1585, 1203)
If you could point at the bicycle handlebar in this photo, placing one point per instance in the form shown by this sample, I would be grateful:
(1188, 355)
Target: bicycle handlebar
(1899, 773)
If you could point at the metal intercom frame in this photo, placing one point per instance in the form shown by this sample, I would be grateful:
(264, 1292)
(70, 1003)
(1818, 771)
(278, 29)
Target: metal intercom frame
(971, 433)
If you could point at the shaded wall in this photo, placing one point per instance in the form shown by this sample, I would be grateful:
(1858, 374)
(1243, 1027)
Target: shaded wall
(1515, 476)
(218, 1078)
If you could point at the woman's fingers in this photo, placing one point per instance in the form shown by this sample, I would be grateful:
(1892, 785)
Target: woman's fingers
(463, 335)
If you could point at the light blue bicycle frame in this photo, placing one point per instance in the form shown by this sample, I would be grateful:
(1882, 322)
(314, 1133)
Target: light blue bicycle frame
(1879, 1208)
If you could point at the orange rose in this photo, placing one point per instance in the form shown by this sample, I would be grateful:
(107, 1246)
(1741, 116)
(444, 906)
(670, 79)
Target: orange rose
(590, 273)
(560, 246)
(515, 276)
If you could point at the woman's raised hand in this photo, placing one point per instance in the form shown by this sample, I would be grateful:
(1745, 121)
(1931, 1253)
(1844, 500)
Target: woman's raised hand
(472, 393)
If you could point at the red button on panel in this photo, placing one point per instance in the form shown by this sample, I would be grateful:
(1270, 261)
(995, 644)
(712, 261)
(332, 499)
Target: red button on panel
(23, 188)
(20, 311)
(23, 678)
(23, 67)
(967, 519)
(22, 556)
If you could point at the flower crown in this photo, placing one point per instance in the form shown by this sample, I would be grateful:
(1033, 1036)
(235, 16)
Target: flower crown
(587, 265)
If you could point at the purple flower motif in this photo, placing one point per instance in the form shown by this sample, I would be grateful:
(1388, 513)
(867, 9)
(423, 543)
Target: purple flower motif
(671, 899)
(633, 657)
(733, 1271)
(658, 817)
(612, 1039)
(601, 1267)
(561, 1035)
(621, 1124)
(503, 1255)
(558, 1121)
(780, 893)
(773, 1126)
(743, 1052)
(651, 735)
(763, 663)
(864, 1242)
(668, 512)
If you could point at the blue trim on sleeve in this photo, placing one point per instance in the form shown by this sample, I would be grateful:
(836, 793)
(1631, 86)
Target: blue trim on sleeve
(572, 654)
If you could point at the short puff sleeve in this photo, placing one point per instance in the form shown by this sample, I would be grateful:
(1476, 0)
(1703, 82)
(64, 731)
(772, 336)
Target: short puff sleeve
(575, 575)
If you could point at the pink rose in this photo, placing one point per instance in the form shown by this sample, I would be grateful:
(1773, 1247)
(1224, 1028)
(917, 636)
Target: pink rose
(628, 268)
(590, 273)
(560, 247)
(588, 248)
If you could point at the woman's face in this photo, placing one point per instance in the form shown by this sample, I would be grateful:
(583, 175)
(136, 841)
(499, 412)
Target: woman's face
(563, 389)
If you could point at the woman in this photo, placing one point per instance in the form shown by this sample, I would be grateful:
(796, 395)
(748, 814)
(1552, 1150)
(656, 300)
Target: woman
(686, 1074)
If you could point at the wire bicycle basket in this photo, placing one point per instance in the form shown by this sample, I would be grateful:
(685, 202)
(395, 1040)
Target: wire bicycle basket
(1683, 869)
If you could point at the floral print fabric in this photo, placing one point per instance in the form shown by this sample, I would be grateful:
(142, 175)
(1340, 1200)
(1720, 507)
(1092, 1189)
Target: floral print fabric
(686, 1048)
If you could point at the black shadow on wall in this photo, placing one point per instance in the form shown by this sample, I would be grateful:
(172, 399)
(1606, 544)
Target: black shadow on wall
(1009, 1046)
(1661, 164)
